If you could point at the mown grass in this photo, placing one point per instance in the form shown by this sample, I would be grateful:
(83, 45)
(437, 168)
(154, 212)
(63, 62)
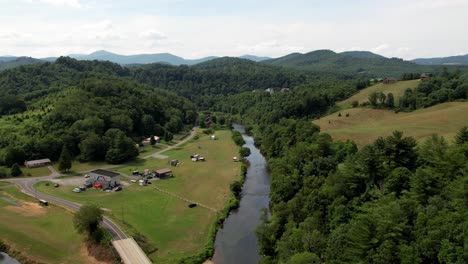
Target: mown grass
(365, 125)
(169, 224)
(48, 237)
(29, 172)
(398, 89)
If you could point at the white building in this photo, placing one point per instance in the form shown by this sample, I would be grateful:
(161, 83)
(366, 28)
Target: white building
(104, 177)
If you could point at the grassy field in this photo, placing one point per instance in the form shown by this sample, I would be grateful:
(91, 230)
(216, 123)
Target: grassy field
(397, 89)
(30, 172)
(171, 226)
(45, 234)
(4, 183)
(365, 125)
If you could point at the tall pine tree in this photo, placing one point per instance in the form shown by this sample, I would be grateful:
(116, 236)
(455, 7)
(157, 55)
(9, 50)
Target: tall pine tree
(65, 160)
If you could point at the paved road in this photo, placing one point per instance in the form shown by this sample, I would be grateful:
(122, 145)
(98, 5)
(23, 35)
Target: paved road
(27, 187)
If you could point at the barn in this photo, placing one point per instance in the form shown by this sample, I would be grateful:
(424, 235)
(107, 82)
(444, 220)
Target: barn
(104, 177)
(37, 163)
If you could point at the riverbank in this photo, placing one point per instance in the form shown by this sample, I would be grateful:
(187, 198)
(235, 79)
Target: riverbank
(236, 241)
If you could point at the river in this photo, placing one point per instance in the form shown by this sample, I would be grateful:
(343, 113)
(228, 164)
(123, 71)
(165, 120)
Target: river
(236, 241)
(5, 259)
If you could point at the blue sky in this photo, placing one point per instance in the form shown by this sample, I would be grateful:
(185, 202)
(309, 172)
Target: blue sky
(197, 28)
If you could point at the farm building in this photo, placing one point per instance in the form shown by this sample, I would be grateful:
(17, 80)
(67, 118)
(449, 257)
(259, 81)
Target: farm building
(163, 173)
(388, 80)
(424, 77)
(37, 163)
(104, 177)
(148, 140)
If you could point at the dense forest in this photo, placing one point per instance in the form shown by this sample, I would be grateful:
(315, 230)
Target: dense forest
(394, 201)
(86, 107)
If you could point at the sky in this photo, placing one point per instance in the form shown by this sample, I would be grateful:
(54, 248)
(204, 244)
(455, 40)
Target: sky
(197, 28)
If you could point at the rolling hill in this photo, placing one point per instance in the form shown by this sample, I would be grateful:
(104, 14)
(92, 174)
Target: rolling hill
(11, 62)
(365, 125)
(452, 60)
(397, 89)
(364, 63)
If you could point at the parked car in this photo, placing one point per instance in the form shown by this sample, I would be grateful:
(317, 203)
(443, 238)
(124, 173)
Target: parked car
(82, 188)
(77, 190)
(118, 188)
(56, 185)
(88, 185)
(134, 181)
(86, 175)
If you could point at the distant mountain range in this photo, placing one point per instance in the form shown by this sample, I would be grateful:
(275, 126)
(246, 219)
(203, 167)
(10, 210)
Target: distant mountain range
(168, 58)
(362, 62)
(452, 60)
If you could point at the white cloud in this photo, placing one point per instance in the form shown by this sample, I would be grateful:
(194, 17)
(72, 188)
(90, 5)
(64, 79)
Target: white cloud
(66, 3)
(152, 35)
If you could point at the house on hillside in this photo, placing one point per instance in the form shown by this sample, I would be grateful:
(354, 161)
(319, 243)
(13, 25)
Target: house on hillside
(424, 77)
(284, 90)
(388, 80)
(37, 163)
(104, 177)
(148, 140)
(270, 90)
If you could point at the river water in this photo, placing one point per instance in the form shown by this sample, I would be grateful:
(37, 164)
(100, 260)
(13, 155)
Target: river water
(5, 259)
(236, 241)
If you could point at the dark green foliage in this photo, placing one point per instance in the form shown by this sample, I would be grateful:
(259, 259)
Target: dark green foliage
(237, 138)
(387, 203)
(236, 188)
(75, 103)
(244, 152)
(462, 136)
(121, 147)
(152, 141)
(443, 87)
(87, 221)
(15, 170)
(355, 104)
(65, 160)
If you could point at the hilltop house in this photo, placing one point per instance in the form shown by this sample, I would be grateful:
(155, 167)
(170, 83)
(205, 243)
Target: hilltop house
(424, 77)
(284, 90)
(270, 90)
(37, 163)
(104, 177)
(388, 80)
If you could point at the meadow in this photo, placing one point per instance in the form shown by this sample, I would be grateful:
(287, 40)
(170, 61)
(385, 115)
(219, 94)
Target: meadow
(398, 89)
(38, 231)
(365, 125)
(169, 224)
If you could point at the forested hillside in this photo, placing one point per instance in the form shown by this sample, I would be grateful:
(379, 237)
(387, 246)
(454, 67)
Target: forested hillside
(392, 201)
(89, 108)
(363, 64)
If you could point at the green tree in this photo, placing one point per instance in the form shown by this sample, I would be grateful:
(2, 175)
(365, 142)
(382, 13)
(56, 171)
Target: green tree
(152, 141)
(65, 160)
(304, 258)
(355, 104)
(15, 170)
(462, 136)
(390, 100)
(373, 97)
(244, 152)
(87, 221)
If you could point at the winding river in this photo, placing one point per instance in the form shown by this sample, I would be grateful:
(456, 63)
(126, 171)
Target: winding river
(5, 259)
(236, 241)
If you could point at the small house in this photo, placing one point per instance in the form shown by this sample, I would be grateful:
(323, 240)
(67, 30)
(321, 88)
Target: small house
(284, 90)
(104, 177)
(389, 80)
(424, 77)
(163, 173)
(37, 163)
(148, 140)
(270, 90)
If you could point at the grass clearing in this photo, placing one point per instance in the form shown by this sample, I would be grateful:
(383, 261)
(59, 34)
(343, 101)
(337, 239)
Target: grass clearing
(30, 172)
(4, 183)
(171, 226)
(39, 232)
(398, 89)
(365, 125)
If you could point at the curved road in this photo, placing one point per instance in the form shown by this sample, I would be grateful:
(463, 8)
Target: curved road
(27, 187)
